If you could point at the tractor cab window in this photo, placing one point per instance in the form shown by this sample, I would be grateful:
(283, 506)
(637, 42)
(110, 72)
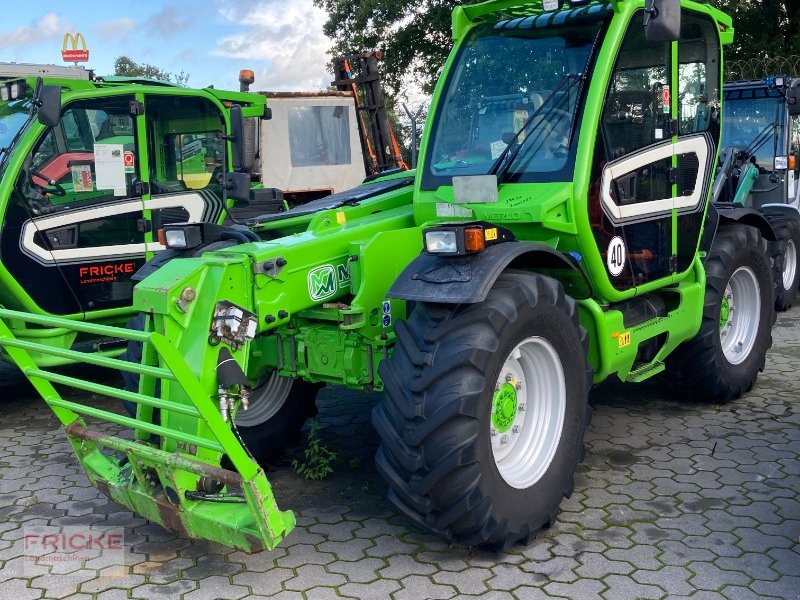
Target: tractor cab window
(753, 121)
(187, 147)
(502, 78)
(698, 76)
(82, 160)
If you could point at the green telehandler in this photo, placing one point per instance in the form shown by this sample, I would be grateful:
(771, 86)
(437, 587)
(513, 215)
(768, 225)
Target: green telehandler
(557, 232)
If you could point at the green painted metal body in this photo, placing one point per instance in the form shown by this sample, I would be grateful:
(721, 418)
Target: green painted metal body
(17, 296)
(325, 315)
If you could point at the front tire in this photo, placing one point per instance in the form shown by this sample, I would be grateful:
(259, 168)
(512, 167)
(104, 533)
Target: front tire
(460, 457)
(723, 360)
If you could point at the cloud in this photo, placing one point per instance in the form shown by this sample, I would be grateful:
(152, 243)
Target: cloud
(287, 35)
(47, 27)
(171, 18)
(110, 30)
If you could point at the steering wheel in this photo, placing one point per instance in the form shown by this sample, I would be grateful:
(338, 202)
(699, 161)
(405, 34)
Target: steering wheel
(556, 127)
(57, 189)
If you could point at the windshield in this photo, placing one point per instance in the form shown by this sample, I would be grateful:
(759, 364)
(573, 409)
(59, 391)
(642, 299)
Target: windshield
(13, 116)
(746, 118)
(499, 80)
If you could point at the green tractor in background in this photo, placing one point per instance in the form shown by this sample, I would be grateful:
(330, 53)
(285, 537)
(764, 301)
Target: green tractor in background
(556, 233)
(760, 167)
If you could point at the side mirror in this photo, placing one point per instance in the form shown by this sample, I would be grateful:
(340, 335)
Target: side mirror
(793, 100)
(49, 102)
(250, 144)
(237, 138)
(662, 20)
(237, 186)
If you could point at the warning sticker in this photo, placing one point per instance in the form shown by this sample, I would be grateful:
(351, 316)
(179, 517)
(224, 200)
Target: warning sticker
(497, 148)
(129, 161)
(445, 209)
(615, 258)
(82, 178)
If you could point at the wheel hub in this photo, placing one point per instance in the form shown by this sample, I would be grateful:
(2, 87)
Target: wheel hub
(725, 311)
(528, 408)
(504, 407)
(739, 315)
(789, 265)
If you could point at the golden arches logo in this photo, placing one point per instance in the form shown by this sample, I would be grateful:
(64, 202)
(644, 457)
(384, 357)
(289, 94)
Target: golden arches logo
(74, 54)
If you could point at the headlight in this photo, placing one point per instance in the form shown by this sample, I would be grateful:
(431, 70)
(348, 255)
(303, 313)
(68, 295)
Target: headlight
(5, 93)
(17, 90)
(175, 238)
(181, 236)
(441, 242)
(466, 238)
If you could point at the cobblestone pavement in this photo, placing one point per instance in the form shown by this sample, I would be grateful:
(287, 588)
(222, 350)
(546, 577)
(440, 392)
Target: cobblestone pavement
(673, 500)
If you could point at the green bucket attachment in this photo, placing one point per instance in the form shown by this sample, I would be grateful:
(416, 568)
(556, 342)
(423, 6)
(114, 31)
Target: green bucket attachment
(165, 463)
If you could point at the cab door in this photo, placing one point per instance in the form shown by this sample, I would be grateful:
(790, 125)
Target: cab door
(631, 205)
(698, 129)
(186, 159)
(74, 232)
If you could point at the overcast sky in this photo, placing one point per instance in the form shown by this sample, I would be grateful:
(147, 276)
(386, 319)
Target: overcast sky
(281, 40)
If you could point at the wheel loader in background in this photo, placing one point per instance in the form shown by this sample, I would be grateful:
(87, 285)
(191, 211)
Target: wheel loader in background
(759, 167)
(558, 232)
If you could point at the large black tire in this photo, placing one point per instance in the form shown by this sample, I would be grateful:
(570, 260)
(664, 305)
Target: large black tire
(699, 368)
(435, 420)
(787, 277)
(268, 439)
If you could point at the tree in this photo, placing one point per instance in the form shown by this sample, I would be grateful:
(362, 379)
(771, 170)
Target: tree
(127, 67)
(415, 34)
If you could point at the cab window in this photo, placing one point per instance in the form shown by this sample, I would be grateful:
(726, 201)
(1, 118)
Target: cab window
(82, 159)
(187, 150)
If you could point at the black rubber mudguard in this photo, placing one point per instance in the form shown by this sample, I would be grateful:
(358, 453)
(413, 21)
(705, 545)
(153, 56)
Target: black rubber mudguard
(468, 279)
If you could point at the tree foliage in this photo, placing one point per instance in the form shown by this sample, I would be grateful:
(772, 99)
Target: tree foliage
(127, 67)
(415, 34)
(764, 28)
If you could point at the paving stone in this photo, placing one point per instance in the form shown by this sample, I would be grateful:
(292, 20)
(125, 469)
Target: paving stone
(167, 591)
(469, 581)
(417, 586)
(17, 589)
(401, 566)
(262, 585)
(377, 590)
(673, 580)
(217, 588)
(674, 500)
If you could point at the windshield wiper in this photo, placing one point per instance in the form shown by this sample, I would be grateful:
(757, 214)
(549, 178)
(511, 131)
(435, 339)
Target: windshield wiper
(516, 145)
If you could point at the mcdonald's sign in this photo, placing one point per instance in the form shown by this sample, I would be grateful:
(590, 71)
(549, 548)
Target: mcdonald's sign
(75, 54)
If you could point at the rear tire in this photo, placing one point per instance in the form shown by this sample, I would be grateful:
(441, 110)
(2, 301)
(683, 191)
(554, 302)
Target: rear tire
(453, 388)
(788, 278)
(723, 360)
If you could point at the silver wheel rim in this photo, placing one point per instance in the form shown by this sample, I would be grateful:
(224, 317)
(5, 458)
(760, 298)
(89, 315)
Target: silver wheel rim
(265, 401)
(789, 265)
(525, 445)
(739, 330)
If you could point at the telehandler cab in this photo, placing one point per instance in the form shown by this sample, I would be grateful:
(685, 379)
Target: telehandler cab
(557, 232)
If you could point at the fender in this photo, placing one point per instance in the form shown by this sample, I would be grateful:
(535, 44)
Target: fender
(746, 216)
(785, 210)
(468, 279)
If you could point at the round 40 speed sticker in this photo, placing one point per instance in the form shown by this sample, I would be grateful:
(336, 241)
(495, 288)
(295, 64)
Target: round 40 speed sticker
(615, 257)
